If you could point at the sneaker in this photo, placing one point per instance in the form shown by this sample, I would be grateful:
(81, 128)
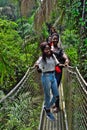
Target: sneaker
(46, 110)
(50, 116)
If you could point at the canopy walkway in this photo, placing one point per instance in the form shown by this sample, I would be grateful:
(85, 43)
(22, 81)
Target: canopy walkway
(73, 101)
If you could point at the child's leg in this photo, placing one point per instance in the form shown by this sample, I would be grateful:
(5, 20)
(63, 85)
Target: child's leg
(46, 87)
(55, 91)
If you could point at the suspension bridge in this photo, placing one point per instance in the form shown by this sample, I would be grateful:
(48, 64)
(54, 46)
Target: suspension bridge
(73, 100)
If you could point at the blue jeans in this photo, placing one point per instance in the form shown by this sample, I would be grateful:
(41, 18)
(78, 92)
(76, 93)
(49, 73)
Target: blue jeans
(49, 83)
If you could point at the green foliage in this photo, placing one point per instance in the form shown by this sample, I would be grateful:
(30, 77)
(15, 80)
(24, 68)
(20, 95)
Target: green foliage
(44, 31)
(7, 2)
(83, 58)
(77, 12)
(70, 37)
(76, 22)
(70, 41)
(3, 2)
(33, 52)
(25, 26)
(72, 55)
(22, 114)
(9, 50)
(15, 56)
(31, 19)
(77, 19)
(53, 16)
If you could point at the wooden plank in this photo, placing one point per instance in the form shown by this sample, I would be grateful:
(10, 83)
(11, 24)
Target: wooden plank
(58, 124)
(46, 124)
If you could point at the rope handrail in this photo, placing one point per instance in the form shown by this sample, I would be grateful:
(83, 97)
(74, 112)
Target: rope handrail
(77, 71)
(24, 77)
(82, 85)
(81, 77)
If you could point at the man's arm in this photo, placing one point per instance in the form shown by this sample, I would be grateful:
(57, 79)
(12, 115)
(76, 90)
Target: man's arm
(66, 59)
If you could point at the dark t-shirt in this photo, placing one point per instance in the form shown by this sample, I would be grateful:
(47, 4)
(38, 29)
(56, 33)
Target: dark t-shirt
(59, 55)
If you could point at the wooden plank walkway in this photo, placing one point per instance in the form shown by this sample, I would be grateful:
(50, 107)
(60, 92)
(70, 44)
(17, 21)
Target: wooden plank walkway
(59, 123)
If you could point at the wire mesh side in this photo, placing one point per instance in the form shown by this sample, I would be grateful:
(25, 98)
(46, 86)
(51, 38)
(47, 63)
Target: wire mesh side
(75, 100)
(23, 101)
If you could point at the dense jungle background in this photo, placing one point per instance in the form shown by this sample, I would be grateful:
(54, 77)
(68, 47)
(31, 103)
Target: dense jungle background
(23, 25)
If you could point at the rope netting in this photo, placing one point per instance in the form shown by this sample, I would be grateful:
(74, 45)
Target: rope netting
(75, 94)
(21, 102)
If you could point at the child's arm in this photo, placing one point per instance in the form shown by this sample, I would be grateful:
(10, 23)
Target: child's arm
(37, 64)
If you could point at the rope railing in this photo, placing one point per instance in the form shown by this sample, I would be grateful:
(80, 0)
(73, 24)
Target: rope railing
(75, 95)
(18, 86)
(23, 100)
